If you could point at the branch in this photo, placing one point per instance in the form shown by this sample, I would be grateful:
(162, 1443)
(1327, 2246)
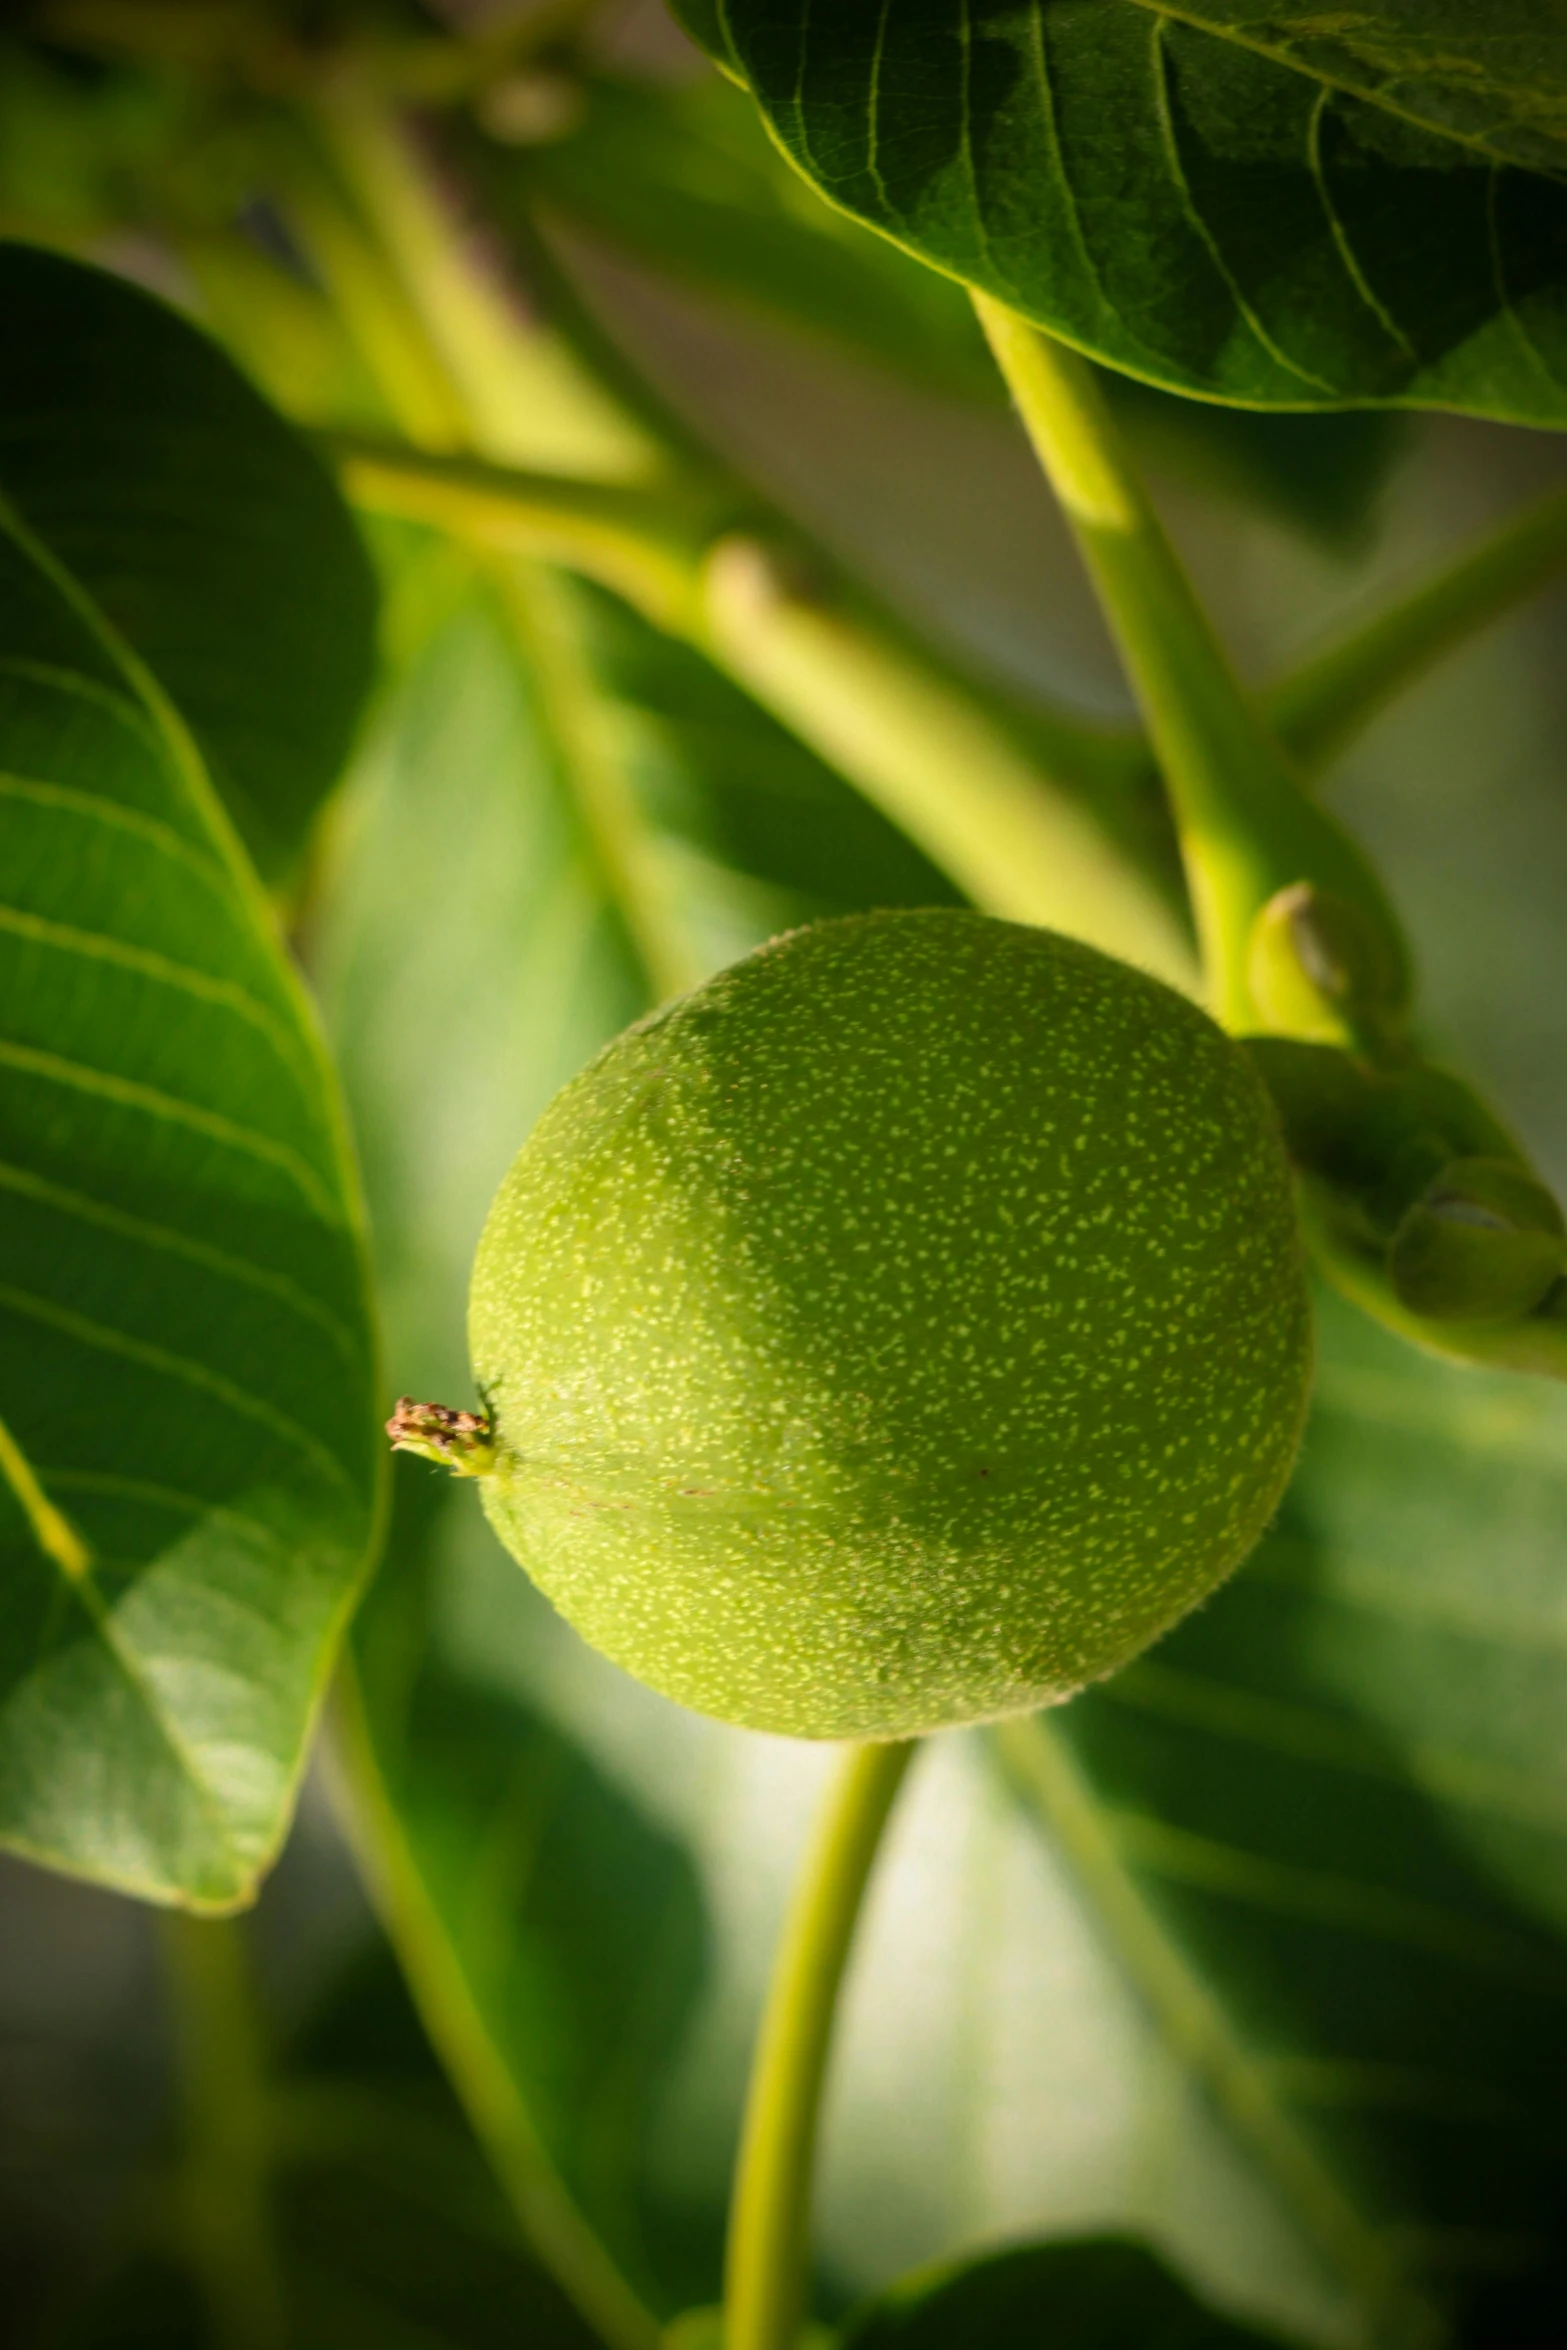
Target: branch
(1321, 707)
(645, 544)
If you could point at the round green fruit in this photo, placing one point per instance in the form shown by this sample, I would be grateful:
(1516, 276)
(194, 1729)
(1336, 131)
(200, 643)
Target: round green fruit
(903, 1329)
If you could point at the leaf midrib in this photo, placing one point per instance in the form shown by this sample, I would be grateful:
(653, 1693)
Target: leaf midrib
(71, 1557)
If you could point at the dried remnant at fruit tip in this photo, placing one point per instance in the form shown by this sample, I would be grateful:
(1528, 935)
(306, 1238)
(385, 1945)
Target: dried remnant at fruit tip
(460, 1441)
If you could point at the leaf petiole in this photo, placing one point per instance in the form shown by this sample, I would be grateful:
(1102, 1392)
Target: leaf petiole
(765, 2276)
(1248, 830)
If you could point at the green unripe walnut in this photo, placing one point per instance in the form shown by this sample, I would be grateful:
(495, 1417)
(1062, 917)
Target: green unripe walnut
(903, 1329)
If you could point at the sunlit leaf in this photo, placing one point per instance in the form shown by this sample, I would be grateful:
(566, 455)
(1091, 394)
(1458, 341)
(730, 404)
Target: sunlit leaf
(188, 1473)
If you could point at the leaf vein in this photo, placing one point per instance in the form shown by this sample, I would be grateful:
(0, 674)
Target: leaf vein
(185, 1368)
(96, 809)
(108, 1482)
(1310, 1735)
(199, 1252)
(1167, 137)
(163, 970)
(128, 1093)
(1498, 269)
(1285, 1889)
(1345, 250)
(77, 688)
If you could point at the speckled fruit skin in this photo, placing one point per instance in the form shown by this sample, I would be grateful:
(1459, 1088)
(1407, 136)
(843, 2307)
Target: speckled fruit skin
(903, 1329)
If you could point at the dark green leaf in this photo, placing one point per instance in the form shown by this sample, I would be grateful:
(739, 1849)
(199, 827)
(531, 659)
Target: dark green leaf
(1103, 2294)
(189, 1473)
(207, 532)
(390, 2227)
(380, 2224)
(1325, 1826)
(1187, 208)
(575, 1926)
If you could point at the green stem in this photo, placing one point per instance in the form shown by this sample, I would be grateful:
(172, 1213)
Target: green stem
(766, 2270)
(645, 544)
(1326, 702)
(224, 2175)
(1248, 830)
(387, 335)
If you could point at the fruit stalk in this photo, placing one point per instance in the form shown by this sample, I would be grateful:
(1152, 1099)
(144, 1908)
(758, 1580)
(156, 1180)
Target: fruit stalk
(765, 2276)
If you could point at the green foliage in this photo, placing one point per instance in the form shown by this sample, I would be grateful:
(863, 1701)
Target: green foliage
(1097, 2295)
(1250, 219)
(187, 1384)
(720, 776)
(1493, 77)
(207, 533)
(388, 2220)
(380, 2221)
(191, 1472)
(1321, 1824)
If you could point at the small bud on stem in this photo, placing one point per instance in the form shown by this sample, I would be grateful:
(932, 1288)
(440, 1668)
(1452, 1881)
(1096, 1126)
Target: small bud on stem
(1484, 1243)
(1321, 969)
